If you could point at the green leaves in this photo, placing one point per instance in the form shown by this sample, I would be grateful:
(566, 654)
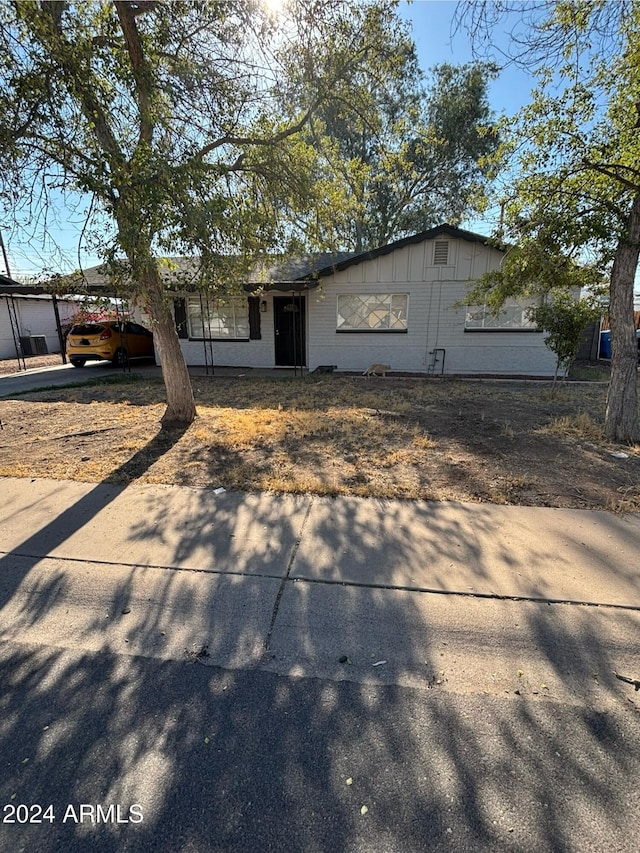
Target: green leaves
(409, 156)
(563, 318)
(572, 202)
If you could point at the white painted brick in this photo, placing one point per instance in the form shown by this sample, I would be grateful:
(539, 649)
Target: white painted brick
(434, 321)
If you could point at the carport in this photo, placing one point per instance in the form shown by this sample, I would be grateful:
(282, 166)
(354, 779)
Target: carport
(9, 291)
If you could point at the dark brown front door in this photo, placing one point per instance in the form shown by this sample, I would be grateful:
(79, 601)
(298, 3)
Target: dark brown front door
(289, 326)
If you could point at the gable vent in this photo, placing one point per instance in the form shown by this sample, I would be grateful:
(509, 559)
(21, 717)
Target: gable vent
(441, 252)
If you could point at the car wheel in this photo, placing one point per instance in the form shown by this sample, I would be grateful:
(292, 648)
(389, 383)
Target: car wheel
(121, 358)
(78, 362)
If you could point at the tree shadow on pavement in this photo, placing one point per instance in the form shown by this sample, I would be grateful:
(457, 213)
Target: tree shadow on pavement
(252, 761)
(71, 519)
(249, 696)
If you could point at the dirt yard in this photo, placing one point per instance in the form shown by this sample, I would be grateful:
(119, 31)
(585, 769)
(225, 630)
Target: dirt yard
(12, 365)
(503, 442)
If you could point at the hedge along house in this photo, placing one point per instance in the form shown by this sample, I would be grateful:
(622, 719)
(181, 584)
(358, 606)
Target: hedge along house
(395, 305)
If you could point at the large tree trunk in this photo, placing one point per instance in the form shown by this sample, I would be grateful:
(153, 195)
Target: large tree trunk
(181, 406)
(621, 420)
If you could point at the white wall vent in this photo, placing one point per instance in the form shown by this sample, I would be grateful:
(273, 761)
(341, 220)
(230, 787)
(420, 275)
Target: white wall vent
(441, 253)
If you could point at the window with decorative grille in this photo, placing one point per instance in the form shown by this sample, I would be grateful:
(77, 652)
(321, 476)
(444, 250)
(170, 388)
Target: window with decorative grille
(514, 314)
(373, 312)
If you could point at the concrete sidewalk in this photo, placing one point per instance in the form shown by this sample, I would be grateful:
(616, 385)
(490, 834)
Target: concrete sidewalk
(298, 585)
(230, 660)
(474, 549)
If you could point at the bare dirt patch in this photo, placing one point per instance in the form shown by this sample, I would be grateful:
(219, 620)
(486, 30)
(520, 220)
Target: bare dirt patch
(501, 442)
(32, 362)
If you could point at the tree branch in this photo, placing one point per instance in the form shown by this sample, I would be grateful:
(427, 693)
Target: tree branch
(91, 107)
(611, 171)
(127, 12)
(292, 129)
(257, 140)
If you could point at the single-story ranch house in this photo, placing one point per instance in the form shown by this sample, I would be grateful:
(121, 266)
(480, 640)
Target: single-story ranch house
(394, 305)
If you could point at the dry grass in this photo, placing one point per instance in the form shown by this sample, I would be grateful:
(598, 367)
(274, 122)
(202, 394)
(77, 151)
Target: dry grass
(430, 439)
(580, 425)
(628, 501)
(507, 430)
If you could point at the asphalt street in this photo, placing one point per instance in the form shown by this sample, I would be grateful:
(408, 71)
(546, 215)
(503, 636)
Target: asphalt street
(192, 670)
(220, 760)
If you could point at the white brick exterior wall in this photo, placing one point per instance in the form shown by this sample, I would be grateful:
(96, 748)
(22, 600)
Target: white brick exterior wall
(236, 353)
(433, 320)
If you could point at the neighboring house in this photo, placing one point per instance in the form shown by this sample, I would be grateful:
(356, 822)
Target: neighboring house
(394, 305)
(28, 324)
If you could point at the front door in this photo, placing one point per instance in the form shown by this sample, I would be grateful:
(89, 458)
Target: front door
(289, 327)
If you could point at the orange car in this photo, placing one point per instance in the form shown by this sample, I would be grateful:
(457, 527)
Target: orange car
(113, 340)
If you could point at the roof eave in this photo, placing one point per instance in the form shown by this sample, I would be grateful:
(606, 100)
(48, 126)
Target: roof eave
(293, 286)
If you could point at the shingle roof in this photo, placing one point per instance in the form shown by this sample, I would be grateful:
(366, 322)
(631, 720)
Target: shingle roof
(185, 272)
(298, 273)
(302, 267)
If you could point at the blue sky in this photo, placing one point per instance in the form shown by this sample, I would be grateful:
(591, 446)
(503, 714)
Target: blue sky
(437, 40)
(431, 21)
(432, 24)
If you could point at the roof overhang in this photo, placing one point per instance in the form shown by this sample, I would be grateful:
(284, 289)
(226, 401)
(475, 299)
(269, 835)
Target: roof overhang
(296, 286)
(292, 276)
(22, 290)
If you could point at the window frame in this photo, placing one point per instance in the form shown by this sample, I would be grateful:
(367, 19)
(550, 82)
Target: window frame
(378, 297)
(240, 318)
(501, 329)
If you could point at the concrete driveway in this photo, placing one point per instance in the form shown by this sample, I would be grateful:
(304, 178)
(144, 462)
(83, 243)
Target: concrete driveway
(63, 374)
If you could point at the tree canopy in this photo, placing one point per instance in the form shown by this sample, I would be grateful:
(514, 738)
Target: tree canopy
(571, 200)
(169, 119)
(411, 152)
